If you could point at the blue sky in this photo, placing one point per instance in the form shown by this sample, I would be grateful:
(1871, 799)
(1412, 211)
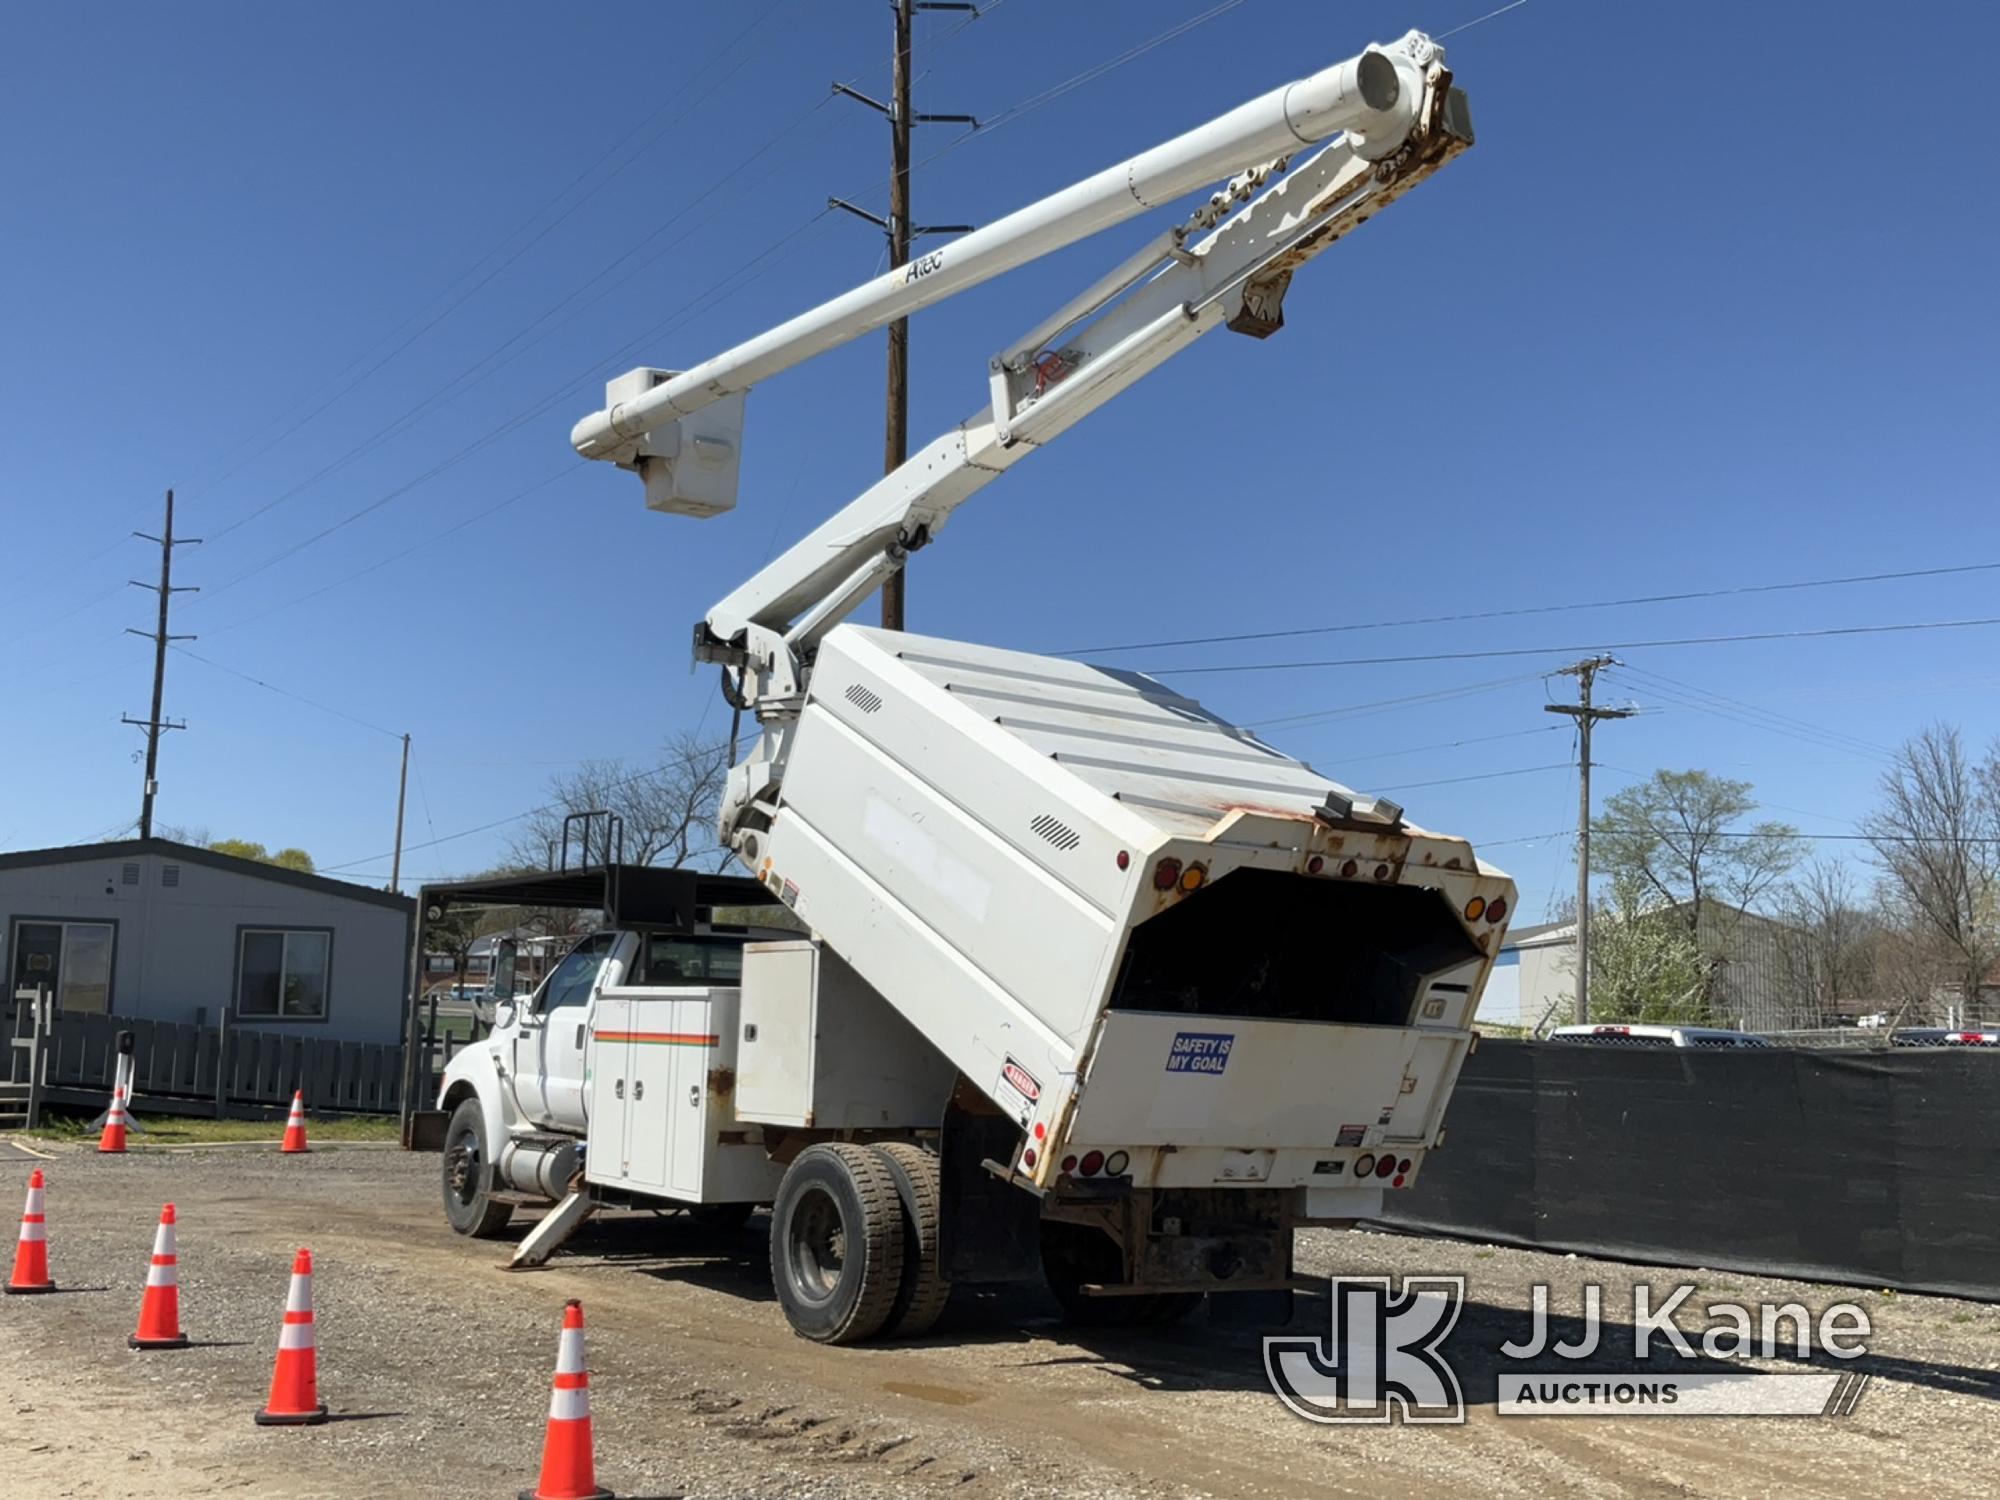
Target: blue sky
(1710, 305)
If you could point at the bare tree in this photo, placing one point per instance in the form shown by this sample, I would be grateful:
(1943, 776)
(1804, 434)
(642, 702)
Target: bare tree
(1936, 837)
(1827, 942)
(667, 808)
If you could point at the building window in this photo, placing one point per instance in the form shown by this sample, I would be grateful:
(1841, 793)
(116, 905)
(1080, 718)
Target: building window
(281, 974)
(71, 959)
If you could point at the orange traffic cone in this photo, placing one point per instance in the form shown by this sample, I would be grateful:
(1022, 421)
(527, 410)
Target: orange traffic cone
(295, 1127)
(160, 1308)
(113, 1139)
(568, 1471)
(294, 1398)
(31, 1255)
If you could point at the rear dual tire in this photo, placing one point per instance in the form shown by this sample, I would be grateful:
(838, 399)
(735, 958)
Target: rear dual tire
(854, 1234)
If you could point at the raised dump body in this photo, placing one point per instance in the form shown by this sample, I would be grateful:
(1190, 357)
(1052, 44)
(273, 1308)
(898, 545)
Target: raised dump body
(1138, 929)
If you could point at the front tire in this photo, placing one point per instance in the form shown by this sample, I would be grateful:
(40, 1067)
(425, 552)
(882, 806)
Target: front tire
(837, 1243)
(468, 1176)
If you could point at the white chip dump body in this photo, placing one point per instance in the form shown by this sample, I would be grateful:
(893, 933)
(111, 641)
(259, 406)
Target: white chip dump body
(1061, 873)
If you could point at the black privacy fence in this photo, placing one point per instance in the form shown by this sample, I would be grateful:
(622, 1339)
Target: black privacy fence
(1873, 1168)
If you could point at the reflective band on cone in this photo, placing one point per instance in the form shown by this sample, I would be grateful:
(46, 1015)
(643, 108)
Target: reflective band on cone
(112, 1142)
(295, 1127)
(160, 1309)
(295, 1379)
(31, 1253)
(568, 1470)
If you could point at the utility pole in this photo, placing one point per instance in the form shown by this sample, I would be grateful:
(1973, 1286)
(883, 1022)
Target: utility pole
(153, 724)
(900, 231)
(402, 790)
(1585, 672)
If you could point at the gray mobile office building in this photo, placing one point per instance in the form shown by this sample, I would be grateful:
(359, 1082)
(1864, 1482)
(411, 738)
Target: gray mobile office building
(162, 931)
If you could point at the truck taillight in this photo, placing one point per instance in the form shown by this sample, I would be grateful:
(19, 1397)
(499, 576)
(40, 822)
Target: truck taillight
(1496, 908)
(1069, 1163)
(1093, 1163)
(1166, 874)
(1386, 1167)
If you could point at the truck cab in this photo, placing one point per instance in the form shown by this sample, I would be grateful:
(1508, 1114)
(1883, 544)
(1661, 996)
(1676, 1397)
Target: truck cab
(515, 1107)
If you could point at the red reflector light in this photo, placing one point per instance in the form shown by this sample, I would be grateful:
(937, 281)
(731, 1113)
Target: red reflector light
(1364, 1164)
(1069, 1164)
(1124, 860)
(1496, 908)
(1397, 1181)
(1349, 867)
(1381, 872)
(1386, 1167)
(1315, 865)
(1166, 874)
(1028, 1157)
(1040, 1130)
(1093, 1163)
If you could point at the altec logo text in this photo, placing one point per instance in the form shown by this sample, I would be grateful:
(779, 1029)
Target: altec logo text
(1383, 1360)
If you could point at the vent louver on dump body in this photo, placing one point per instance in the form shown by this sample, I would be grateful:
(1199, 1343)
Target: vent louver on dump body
(170, 874)
(1057, 832)
(130, 875)
(862, 698)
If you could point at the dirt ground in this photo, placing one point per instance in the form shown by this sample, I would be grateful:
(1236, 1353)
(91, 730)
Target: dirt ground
(436, 1364)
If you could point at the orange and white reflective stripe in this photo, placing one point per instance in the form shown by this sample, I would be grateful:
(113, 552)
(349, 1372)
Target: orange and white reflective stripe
(165, 1268)
(34, 1224)
(298, 1330)
(569, 1400)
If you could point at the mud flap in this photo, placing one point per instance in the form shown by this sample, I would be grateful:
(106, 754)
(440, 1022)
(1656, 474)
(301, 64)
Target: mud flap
(988, 1228)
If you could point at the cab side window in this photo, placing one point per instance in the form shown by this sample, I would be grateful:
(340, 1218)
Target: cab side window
(570, 981)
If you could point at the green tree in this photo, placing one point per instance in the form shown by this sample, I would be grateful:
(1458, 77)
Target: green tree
(1645, 964)
(287, 859)
(1679, 839)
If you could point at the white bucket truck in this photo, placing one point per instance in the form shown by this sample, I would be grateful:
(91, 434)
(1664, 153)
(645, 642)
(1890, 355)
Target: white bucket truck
(1093, 979)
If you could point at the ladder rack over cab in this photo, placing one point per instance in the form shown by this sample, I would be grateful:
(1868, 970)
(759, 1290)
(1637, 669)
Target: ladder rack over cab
(1184, 991)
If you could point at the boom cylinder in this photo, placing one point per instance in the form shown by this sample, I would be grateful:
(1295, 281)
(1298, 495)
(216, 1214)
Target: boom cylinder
(1370, 95)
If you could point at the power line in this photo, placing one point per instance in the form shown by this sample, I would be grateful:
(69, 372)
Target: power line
(272, 687)
(1687, 640)
(1410, 786)
(1780, 723)
(1359, 710)
(1482, 739)
(1679, 597)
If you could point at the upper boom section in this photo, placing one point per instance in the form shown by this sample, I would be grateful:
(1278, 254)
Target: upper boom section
(1373, 98)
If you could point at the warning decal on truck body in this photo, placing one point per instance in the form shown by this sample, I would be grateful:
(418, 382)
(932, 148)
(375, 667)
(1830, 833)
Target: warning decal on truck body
(1200, 1051)
(1017, 1090)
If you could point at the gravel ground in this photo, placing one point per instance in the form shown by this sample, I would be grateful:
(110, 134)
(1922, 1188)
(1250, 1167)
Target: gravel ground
(436, 1365)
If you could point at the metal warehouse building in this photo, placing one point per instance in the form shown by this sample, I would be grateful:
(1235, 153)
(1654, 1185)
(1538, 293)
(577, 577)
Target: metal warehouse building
(155, 930)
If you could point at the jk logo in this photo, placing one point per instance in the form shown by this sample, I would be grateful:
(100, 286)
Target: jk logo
(1382, 1354)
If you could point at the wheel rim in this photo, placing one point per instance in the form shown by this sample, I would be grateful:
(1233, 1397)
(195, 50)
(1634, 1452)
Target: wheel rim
(817, 1244)
(461, 1167)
